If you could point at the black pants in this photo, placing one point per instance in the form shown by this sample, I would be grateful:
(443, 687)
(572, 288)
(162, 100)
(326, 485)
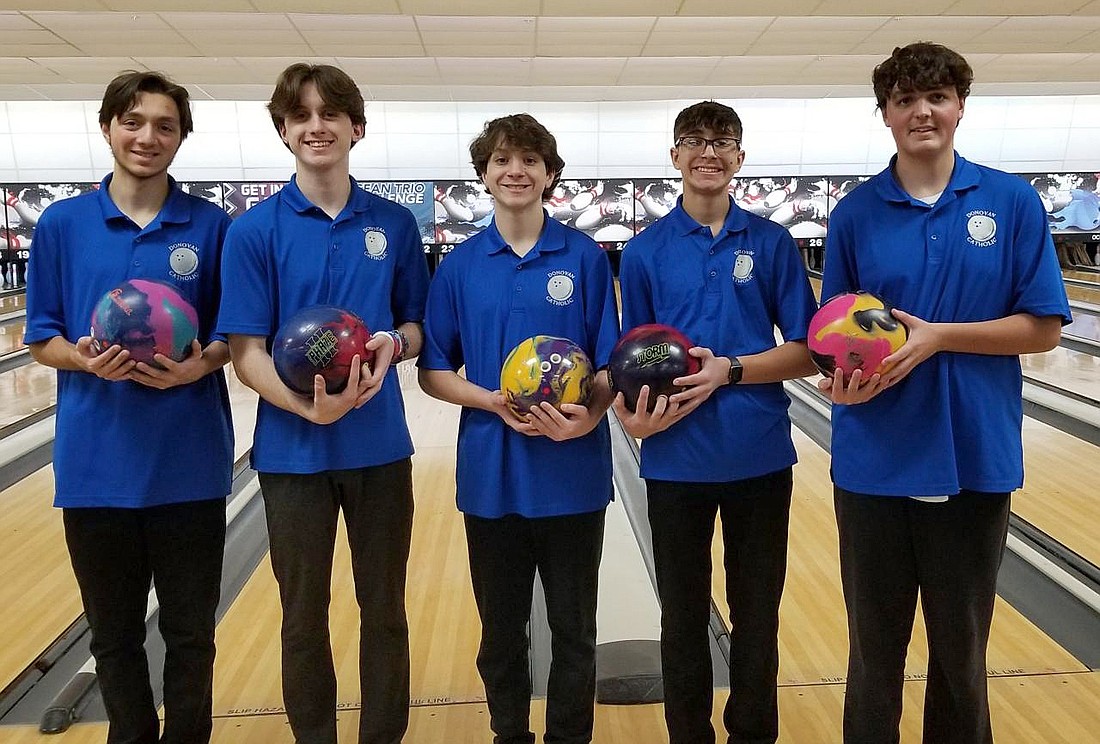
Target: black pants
(115, 554)
(302, 514)
(755, 515)
(504, 554)
(891, 549)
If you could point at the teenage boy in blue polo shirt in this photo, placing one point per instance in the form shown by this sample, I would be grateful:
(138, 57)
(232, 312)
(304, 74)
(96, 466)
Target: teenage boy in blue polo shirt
(324, 240)
(727, 279)
(966, 252)
(533, 489)
(142, 455)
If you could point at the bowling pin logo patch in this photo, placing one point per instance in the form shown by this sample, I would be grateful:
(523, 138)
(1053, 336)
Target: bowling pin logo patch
(183, 260)
(981, 228)
(374, 238)
(742, 267)
(559, 288)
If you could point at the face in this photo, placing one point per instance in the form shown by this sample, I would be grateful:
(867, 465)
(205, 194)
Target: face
(319, 136)
(706, 171)
(923, 122)
(516, 178)
(145, 139)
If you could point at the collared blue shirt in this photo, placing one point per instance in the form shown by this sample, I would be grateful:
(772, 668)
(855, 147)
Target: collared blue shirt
(286, 254)
(122, 444)
(728, 293)
(484, 300)
(982, 252)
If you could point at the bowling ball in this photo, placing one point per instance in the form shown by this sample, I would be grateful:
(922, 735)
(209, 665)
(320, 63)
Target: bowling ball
(854, 330)
(145, 317)
(546, 368)
(654, 355)
(319, 340)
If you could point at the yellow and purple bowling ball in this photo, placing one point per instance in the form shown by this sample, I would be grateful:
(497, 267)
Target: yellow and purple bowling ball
(854, 330)
(145, 317)
(546, 368)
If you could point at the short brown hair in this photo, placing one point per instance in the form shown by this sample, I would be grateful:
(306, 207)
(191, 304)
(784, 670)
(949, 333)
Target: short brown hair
(919, 66)
(717, 117)
(122, 92)
(335, 87)
(522, 132)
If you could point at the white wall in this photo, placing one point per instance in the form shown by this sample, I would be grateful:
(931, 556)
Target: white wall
(60, 141)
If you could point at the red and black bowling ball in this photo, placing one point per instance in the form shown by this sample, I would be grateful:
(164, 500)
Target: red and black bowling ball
(319, 340)
(654, 355)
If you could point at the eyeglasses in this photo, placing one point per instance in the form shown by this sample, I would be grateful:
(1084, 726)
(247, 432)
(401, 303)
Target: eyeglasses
(721, 144)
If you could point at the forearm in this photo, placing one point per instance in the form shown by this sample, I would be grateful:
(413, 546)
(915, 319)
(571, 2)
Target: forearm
(56, 352)
(784, 362)
(215, 356)
(451, 387)
(414, 334)
(255, 368)
(1016, 334)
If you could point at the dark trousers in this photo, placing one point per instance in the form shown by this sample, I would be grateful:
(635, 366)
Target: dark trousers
(302, 514)
(504, 554)
(115, 554)
(891, 549)
(755, 515)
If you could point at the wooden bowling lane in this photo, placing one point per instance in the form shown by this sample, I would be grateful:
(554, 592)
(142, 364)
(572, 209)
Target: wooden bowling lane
(39, 598)
(26, 390)
(1026, 710)
(38, 593)
(1085, 325)
(11, 336)
(13, 303)
(1067, 369)
(1059, 493)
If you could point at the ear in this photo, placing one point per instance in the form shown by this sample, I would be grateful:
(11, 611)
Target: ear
(282, 134)
(357, 132)
(962, 107)
(106, 129)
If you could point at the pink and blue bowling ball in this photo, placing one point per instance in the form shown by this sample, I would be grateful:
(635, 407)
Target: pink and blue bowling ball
(145, 317)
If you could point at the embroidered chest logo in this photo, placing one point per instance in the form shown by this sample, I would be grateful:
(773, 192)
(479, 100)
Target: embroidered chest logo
(183, 261)
(374, 240)
(981, 228)
(559, 288)
(742, 267)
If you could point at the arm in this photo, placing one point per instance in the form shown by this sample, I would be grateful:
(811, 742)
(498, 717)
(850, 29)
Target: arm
(451, 387)
(1021, 333)
(255, 368)
(113, 364)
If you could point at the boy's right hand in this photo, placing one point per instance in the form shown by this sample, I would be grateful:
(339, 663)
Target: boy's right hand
(113, 363)
(641, 423)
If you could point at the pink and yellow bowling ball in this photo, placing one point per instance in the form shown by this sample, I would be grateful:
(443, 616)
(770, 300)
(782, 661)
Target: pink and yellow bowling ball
(854, 330)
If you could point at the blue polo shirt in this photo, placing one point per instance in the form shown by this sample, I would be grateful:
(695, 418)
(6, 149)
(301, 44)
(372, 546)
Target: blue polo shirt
(122, 444)
(286, 254)
(483, 301)
(728, 293)
(983, 252)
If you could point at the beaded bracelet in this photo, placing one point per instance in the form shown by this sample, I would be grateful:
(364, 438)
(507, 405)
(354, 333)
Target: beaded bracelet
(400, 344)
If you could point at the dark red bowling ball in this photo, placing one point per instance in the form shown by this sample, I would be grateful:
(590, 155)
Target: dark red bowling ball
(654, 355)
(319, 340)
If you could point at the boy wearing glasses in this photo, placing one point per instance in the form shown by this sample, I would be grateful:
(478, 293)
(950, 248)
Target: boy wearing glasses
(727, 279)
(324, 240)
(966, 251)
